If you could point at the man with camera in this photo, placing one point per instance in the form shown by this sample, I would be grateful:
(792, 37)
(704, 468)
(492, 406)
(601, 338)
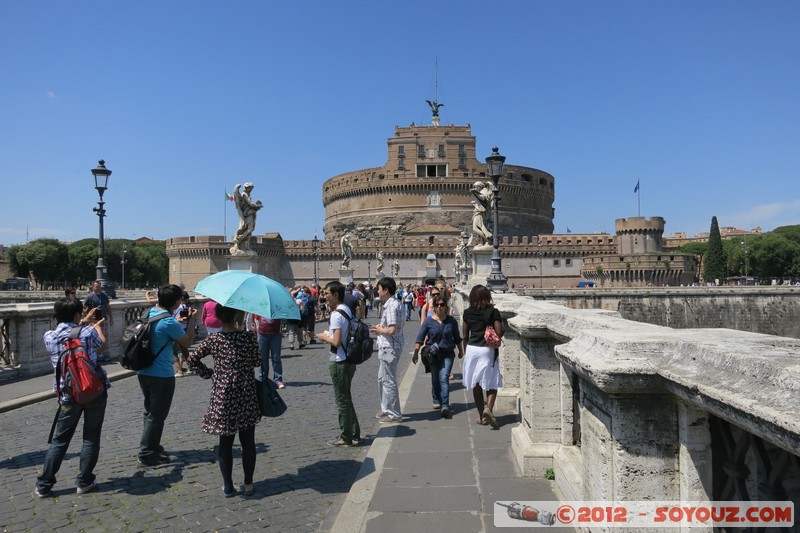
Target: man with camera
(99, 301)
(157, 381)
(69, 314)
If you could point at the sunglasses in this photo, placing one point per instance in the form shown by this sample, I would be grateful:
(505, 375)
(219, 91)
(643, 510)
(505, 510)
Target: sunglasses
(434, 294)
(440, 305)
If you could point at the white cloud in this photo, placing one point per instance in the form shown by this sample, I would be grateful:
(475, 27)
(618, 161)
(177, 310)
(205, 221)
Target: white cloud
(52, 95)
(766, 216)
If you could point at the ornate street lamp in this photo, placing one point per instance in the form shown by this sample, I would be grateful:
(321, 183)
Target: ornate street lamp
(124, 251)
(315, 247)
(539, 253)
(496, 280)
(101, 174)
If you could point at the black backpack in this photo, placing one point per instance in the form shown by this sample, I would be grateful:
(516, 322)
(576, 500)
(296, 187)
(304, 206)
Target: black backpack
(136, 341)
(359, 345)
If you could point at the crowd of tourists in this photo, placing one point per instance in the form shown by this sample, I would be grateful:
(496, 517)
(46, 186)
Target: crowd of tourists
(239, 343)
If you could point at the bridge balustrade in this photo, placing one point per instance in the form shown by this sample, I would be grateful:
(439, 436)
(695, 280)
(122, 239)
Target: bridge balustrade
(623, 410)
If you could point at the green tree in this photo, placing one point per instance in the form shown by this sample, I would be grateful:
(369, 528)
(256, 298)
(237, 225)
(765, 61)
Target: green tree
(44, 259)
(17, 269)
(772, 255)
(83, 261)
(149, 264)
(714, 260)
(790, 232)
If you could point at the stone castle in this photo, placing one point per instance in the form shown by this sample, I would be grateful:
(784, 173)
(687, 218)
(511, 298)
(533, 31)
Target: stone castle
(415, 209)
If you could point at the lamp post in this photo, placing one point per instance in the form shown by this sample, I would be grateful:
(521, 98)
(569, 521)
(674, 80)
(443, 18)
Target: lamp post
(124, 251)
(369, 271)
(315, 247)
(467, 265)
(496, 280)
(744, 247)
(101, 174)
(539, 253)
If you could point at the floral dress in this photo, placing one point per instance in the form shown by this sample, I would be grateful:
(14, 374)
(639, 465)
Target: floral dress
(234, 404)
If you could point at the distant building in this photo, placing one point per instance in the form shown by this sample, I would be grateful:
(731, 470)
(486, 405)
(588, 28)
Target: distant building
(414, 209)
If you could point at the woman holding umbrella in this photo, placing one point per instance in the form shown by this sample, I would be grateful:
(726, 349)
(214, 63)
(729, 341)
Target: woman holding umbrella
(234, 404)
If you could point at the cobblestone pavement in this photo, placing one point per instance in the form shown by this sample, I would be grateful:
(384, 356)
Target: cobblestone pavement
(301, 482)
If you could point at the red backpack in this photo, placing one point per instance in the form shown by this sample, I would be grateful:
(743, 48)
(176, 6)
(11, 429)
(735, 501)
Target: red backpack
(84, 380)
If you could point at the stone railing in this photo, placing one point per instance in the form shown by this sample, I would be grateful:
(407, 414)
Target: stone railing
(628, 411)
(22, 326)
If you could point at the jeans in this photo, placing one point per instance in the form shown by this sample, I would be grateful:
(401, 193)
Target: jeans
(68, 418)
(387, 382)
(270, 347)
(342, 376)
(158, 394)
(293, 327)
(440, 380)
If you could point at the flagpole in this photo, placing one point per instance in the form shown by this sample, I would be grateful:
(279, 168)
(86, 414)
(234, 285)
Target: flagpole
(225, 222)
(639, 199)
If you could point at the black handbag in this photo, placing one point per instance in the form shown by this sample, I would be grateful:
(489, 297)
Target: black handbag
(430, 354)
(269, 401)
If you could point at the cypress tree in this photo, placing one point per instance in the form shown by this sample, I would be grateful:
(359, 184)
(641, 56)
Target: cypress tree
(714, 259)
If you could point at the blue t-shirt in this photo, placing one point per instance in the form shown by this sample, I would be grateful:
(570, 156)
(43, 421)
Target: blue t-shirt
(166, 331)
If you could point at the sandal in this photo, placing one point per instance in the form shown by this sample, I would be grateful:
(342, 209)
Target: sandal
(490, 419)
(482, 422)
(250, 491)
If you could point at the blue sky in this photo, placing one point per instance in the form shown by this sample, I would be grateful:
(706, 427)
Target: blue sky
(696, 100)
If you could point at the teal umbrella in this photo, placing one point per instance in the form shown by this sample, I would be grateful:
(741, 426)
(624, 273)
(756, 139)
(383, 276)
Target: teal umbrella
(250, 292)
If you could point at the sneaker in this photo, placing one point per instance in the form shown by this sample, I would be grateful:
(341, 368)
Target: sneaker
(388, 419)
(178, 374)
(280, 385)
(87, 489)
(446, 413)
(42, 493)
(228, 493)
(163, 458)
(437, 406)
(380, 414)
(340, 441)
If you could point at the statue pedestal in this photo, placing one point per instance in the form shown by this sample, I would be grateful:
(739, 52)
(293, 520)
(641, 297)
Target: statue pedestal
(345, 275)
(250, 263)
(481, 265)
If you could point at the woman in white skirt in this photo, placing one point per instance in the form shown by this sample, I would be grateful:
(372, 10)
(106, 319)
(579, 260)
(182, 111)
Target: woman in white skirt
(480, 367)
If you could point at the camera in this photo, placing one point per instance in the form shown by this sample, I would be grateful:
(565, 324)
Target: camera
(184, 312)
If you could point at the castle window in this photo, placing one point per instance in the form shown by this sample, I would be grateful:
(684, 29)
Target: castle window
(430, 240)
(556, 262)
(401, 164)
(401, 151)
(568, 262)
(542, 181)
(526, 177)
(441, 150)
(462, 152)
(421, 150)
(431, 171)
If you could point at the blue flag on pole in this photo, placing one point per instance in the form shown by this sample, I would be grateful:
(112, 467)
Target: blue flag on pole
(636, 189)
(568, 230)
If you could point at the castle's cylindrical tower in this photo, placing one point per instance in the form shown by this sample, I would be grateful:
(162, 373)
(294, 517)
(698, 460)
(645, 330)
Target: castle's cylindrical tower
(639, 235)
(424, 189)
